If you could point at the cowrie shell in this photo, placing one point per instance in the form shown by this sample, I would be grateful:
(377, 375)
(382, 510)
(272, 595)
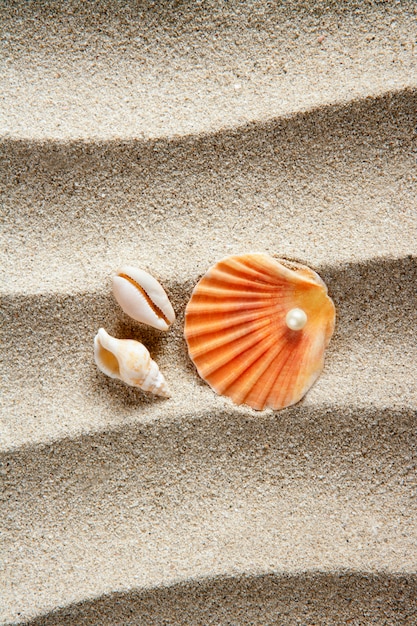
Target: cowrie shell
(142, 297)
(129, 361)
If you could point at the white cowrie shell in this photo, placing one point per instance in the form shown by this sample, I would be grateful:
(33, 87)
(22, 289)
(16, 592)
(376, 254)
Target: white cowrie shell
(129, 361)
(142, 297)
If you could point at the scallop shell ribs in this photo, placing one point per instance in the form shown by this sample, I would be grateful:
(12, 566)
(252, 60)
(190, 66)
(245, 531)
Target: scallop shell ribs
(257, 329)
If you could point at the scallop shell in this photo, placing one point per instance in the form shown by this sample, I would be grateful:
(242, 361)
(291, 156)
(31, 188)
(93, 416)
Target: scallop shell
(129, 361)
(142, 297)
(257, 329)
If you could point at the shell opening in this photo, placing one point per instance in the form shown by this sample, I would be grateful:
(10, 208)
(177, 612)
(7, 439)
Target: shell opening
(296, 319)
(110, 362)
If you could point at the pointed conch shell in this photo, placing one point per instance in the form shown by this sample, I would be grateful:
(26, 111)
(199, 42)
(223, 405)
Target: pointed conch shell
(129, 361)
(142, 297)
(257, 329)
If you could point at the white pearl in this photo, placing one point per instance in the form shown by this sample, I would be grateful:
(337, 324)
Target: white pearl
(296, 319)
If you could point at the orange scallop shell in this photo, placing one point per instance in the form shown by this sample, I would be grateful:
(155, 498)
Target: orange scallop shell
(237, 335)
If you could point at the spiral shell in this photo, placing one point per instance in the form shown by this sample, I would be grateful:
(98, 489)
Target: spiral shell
(257, 329)
(129, 361)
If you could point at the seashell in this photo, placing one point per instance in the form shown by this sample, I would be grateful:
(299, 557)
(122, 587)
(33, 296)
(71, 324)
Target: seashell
(257, 329)
(142, 297)
(129, 361)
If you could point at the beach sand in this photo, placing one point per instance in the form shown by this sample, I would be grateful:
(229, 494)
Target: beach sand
(167, 136)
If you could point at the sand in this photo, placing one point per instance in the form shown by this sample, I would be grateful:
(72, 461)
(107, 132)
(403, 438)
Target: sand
(167, 136)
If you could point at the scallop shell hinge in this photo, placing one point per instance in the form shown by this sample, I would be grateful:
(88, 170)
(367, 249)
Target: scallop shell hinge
(257, 329)
(143, 298)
